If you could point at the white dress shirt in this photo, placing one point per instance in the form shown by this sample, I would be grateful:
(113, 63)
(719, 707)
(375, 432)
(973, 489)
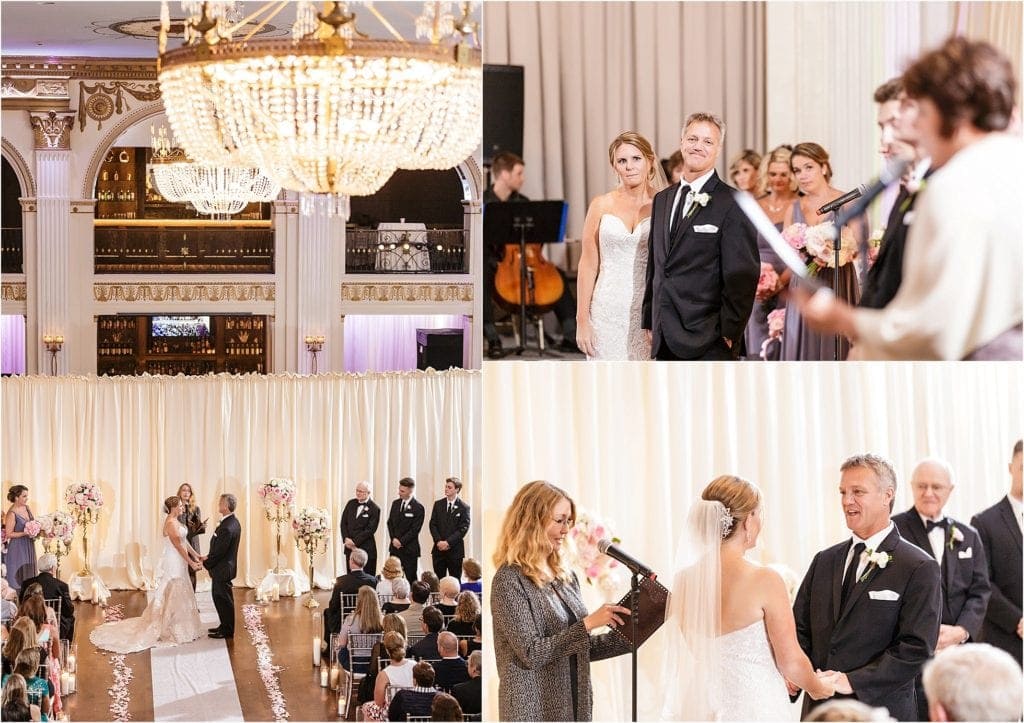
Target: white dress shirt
(1018, 510)
(871, 543)
(695, 188)
(937, 537)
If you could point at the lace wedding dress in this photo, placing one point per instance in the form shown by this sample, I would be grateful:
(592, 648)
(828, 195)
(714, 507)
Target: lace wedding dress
(751, 684)
(615, 309)
(171, 618)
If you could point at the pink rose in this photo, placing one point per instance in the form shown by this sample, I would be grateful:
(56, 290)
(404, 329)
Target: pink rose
(593, 571)
(767, 282)
(776, 322)
(794, 235)
(32, 529)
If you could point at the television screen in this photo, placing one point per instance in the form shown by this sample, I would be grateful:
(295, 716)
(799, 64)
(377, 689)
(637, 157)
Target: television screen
(181, 326)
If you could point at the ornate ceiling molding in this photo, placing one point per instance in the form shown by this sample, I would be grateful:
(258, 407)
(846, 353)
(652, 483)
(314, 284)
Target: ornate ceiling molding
(410, 293)
(20, 93)
(214, 293)
(79, 68)
(51, 131)
(13, 291)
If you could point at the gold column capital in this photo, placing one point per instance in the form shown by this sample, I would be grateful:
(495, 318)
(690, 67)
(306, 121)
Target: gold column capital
(51, 130)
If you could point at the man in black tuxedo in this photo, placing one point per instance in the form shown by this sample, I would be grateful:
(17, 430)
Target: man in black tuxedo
(896, 117)
(222, 564)
(469, 693)
(347, 584)
(703, 263)
(359, 522)
(53, 589)
(449, 523)
(1000, 529)
(404, 524)
(868, 610)
(959, 552)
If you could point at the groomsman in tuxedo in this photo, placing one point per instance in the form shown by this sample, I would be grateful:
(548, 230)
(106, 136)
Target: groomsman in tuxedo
(449, 523)
(359, 522)
(1000, 527)
(868, 610)
(404, 524)
(703, 263)
(959, 552)
(222, 563)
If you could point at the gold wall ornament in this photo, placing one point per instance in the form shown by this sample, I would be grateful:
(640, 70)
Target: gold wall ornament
(13, 291)
(52, 130)
(407, 293)
(78, 68)
(212, 292)
(100, 101)
(26, 93)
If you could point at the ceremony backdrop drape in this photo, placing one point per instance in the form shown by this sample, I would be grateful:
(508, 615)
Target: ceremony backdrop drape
(635, 445)
(138, 438)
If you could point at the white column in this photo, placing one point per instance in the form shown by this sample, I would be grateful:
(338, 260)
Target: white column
(472, 221)
(53, 169)
(30, 264)
(317, 291)
(286, 276)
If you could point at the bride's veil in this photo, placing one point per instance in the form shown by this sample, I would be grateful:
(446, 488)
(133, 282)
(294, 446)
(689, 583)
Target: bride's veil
(692, 681)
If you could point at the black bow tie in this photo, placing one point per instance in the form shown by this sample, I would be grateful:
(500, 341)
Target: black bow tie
(930, 525)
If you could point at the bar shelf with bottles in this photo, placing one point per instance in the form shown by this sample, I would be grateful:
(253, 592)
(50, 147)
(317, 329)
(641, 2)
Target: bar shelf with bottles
(181, 344)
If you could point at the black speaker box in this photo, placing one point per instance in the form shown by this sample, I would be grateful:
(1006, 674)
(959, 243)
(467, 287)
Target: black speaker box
(438, 348)
(503, 110)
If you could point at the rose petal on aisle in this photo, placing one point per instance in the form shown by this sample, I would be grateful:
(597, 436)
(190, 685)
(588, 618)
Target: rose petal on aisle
(118, 691)
(253, 616)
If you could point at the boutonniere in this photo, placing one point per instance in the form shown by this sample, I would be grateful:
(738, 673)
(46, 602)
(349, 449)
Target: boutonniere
(699, 199)
(914, 186)
(874, 559)
(955, 535)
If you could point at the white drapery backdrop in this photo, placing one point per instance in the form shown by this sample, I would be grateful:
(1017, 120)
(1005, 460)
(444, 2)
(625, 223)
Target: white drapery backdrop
(138, 438)
(635, 445)
(384, 343)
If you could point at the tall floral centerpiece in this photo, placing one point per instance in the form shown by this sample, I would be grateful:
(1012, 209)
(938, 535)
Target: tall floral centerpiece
(57, 530)
(278, 496)
(311, 527)
(84, 501)
(601, 571)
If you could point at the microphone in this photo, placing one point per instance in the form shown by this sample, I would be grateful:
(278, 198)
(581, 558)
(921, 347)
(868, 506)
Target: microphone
(842, 200)
(889, 175)
(607, 547)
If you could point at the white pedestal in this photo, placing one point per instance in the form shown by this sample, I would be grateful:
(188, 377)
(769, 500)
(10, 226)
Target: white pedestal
(288, 584)
(89, 588)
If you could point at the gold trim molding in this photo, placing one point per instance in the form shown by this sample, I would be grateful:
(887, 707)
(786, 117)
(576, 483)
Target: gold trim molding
(13, 291)
(100, 101)
(144, 292)
(80, 68)
(20, 93)
(51, 131)
(410, 293)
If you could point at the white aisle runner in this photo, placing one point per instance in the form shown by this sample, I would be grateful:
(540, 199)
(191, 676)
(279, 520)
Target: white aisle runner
(194, 682)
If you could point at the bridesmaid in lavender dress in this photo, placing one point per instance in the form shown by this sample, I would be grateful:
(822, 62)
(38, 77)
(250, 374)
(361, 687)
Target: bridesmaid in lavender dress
(21, 549)
(813, 171)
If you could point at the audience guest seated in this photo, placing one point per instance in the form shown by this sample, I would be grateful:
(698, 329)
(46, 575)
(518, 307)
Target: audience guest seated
(15, 701)
(468, 693)
(432, 624)
(391, 571)
(976, 681)
(21, 637)
(472, 573)
(398, 674)
(467, 608)
(413, 615)
(445, 708)
(347, 584)
(399, 601)
(415, 701)
(9, 611)
(392, 624)
(27, 666)
(431, 579)
(468, 645)
(366, 618)
(53, 589)
(6, 591)
(450, 670)
(449, 588)
(848, 709)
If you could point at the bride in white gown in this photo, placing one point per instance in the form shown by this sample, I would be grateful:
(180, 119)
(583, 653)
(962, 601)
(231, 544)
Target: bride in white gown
(613, 265)
(172, 616)
(733, 643)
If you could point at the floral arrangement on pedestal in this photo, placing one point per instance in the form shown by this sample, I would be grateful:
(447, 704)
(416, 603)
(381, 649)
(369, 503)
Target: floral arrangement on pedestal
(600, 570)
(311, 527)
(58, 531)
(278, 495)
(84, 500)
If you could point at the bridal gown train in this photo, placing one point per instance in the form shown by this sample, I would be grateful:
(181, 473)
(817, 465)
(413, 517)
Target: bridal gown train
(615, 309)
(751, 684)
(171, 618)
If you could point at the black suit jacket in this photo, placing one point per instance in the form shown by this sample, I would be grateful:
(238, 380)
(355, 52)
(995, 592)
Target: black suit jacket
(54, 589)
(965, 586)
(222, 562)
(468, 695)
(880, 644)
(406, 526)
(700, 285)
(1001, 536)
(361, 528)
(345, 585)
(425, 648)
(450, 672)
(886, 275)
(450, 528)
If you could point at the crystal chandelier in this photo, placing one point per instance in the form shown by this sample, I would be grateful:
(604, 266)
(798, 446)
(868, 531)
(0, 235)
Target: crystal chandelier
(328, 111)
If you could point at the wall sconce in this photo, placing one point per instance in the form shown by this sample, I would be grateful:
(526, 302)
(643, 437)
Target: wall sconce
(314, 344)
(53, 345)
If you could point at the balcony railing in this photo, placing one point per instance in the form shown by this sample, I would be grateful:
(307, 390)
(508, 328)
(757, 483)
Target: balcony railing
(429, 251)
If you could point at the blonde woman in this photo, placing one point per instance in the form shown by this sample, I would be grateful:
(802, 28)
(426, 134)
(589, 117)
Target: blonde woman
(467, 608)
(391, 571)
(613, 266)
(542, 641)
(194, 523)
(366, 617)
(745, 172)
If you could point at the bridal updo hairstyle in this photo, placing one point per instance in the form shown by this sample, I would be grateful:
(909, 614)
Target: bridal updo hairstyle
(738, 495)
(523, 542)
(817, 154)
(15, 492)
(171, 502)
(641, 144)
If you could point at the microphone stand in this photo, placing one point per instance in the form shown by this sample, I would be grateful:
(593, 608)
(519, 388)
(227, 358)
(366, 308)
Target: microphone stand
(634, 606)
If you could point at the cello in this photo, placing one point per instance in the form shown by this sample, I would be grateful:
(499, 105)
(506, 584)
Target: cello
(544, 285)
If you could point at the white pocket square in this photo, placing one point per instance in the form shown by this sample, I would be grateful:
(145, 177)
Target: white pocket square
(884, 595)
(965, 554)
(705, 228)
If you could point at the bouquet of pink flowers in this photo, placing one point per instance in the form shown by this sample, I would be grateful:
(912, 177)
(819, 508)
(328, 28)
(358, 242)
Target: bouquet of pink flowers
(84, 499)
(311, 523)
(33, 528)
(599, 569)
(278, 496)
(816, 245)
(776, 323)
(767, 283)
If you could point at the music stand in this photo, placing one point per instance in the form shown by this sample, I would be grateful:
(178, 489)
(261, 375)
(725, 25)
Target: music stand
(523, 222)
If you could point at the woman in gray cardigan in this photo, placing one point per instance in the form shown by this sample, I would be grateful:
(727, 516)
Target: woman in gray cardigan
(542, 641)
